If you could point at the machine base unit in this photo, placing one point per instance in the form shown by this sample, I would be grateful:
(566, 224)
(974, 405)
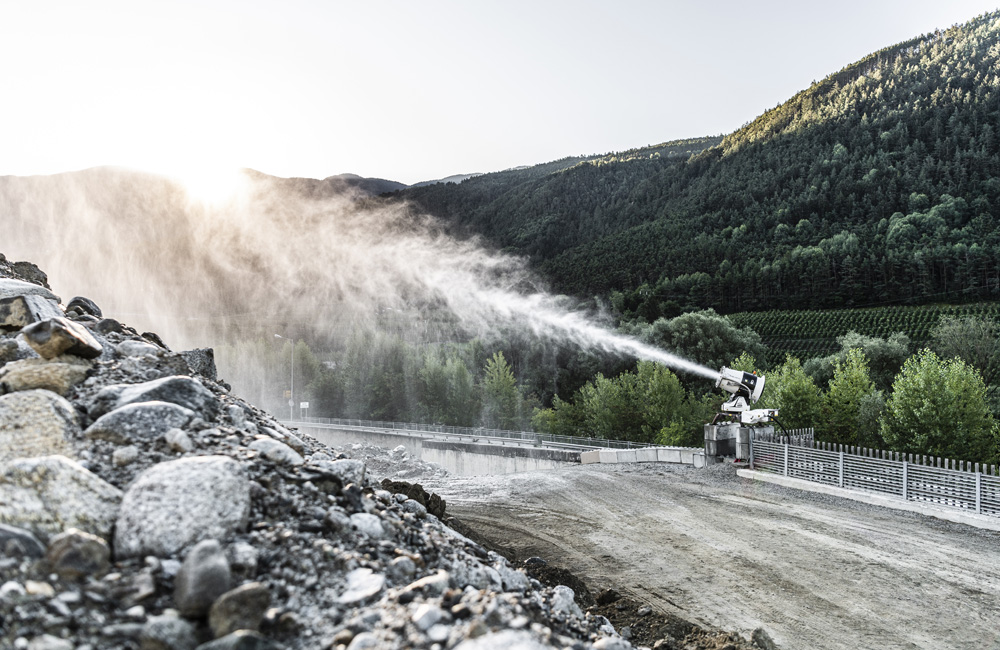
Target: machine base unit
(730, 440)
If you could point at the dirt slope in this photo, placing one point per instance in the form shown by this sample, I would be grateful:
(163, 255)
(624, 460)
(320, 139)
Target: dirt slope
(814, 571)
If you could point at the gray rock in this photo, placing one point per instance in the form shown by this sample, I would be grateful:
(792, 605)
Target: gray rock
(204, 576)
(364, 641)
(124, 455)
(361, 585)
(134, 348)
(59, 375)
(178, 389)
(170, 567)
(346, 470)
(512, 579)
(503, 640)
(284, 435)
(84, 306)
(201, 362)
(473, 574)
(55, 336)
(30, 272)
(237, 416)
(177, 503)
(240, 640)
(49, 494)
(15, 349)
(35, 423)
(368, 524)
(612, 643)
(168, 633)
(402, 569)
(12, 592)
(155, 339)
(427, 615)
(432, 585)
(337, 520)
(21, 311)
(10, 288)
(49, 642)
(18, 542)
(239, 609)
(439, 633)
(414, 507)
(75, 554)
(126, 630)
(142, 421)
(563, 601)
(243, 559)
(108, 326)
(277, 452)
(178, 440)
(763, 640)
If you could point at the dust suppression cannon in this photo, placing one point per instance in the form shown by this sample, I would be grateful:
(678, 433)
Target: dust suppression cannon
(746, 389)
(729, 433)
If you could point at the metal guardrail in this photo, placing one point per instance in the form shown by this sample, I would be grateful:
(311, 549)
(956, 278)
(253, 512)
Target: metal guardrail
(524, 436)
(959, 485)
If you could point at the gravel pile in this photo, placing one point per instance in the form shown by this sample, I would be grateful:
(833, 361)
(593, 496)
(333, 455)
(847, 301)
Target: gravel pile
(142, 505)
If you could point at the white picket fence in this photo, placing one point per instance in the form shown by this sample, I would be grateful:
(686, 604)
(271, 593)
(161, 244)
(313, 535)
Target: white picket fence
(943, 482)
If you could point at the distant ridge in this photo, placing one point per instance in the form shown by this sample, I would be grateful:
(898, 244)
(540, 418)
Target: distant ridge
(331, 185)
(877, 184)
(454, 178)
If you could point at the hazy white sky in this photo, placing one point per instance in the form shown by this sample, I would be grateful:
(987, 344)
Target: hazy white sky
(409, 90)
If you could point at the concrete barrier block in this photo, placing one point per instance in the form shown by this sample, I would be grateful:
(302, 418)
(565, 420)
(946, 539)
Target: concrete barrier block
(687, 456)
(668, 455)
(645, 455)
(698, 459)
(609, 455)
(627, 456)
(588, 457)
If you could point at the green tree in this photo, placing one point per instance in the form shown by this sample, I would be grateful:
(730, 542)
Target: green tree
(704, 337)
(938, 408)
(612, 407)
(390, 385)
(976, 341)
(746, 362)
(848, 401)
(885, 358)
(462, 405)
(563, 419)
(432, 390)
(687, 427)
(794, 393)
(500, 394)
(661, 395)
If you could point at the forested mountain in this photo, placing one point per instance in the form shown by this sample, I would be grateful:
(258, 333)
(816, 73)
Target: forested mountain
(876, 185)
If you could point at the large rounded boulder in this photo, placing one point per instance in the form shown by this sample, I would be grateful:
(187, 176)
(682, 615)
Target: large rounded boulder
(176, 504)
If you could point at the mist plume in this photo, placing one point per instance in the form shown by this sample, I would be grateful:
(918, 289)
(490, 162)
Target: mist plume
(292, 255)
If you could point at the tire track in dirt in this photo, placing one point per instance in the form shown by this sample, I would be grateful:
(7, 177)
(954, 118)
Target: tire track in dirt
(815, 571)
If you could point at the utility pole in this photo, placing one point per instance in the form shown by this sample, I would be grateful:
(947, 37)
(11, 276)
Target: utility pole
(291, 392)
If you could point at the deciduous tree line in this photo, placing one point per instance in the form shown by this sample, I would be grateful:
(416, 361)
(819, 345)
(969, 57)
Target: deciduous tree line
(873, 392)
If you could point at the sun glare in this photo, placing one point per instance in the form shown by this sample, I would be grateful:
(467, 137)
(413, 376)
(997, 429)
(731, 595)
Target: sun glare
(212, 185)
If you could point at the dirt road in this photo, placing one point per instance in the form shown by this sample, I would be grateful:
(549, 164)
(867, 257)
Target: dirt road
(815, 571)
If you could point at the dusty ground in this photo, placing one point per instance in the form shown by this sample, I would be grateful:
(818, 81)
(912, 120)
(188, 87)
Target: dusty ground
(814, 571)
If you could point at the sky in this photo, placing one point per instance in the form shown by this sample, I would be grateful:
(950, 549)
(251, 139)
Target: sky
(409, 90)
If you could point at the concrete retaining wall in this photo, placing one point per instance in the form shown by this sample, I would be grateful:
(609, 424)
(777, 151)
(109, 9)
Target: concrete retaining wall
(680, 455)
(461, 458)
(470, 459)
(340, 437)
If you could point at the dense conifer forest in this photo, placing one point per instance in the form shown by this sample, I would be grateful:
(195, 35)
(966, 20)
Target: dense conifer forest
(876, 185)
